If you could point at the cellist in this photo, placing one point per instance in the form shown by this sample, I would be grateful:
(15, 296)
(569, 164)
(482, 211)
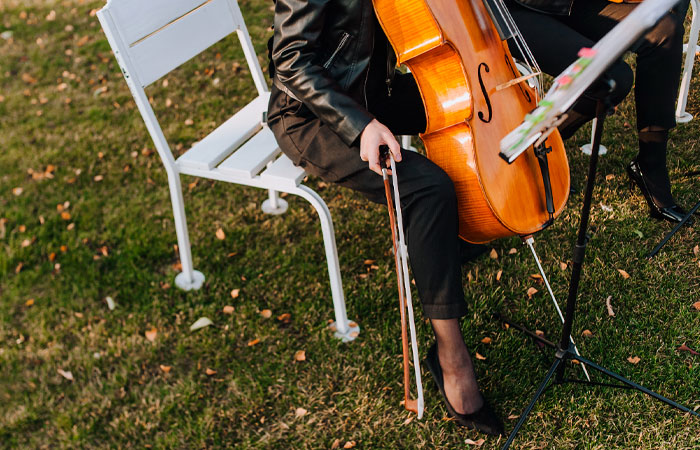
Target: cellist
(555, 30)
(336, 98)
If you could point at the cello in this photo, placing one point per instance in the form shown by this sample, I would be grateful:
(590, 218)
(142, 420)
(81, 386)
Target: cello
(474, 96)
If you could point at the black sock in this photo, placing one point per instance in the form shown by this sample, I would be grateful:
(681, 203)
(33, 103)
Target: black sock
(652, 162)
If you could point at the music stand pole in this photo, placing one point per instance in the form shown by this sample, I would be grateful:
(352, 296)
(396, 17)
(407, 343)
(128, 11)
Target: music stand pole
(565, 350)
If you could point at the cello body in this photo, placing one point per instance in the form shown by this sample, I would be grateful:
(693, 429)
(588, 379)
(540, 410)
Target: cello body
(458, 60)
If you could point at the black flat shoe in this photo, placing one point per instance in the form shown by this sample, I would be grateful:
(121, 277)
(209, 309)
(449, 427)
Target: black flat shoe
(484, 420)
(673, 213)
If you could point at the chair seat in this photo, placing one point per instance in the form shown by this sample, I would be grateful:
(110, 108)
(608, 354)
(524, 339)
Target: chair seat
(221, 142)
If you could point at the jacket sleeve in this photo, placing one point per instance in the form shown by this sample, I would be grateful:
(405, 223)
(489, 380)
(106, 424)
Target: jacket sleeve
(298, 28)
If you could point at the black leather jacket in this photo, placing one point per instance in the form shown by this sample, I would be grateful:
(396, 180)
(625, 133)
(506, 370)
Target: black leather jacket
(321, 54)
(559, 7)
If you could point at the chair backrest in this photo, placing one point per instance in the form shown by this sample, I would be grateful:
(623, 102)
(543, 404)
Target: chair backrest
(150, 38)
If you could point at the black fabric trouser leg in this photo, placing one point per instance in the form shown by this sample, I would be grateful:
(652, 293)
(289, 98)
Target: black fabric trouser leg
(555, 41)
(428, 199)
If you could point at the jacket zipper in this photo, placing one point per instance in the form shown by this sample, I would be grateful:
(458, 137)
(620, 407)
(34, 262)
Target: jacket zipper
(369, 64)
(343, 40)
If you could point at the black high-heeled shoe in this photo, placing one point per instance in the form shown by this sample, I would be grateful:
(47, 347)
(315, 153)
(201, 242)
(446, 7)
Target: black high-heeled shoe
(673, 213)
(484, 420)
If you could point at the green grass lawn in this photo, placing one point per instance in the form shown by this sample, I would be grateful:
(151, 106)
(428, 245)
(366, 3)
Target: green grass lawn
(85, 215)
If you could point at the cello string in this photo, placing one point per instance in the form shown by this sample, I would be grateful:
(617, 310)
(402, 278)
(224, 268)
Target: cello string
(521, 45)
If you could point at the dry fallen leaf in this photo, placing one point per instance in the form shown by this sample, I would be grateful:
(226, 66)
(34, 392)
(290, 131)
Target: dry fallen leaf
(696, 305)
(609, 177)
(369, 262)
(253, 342)
(235, 292)
(66, 374)
(611, 313)
(29, 302)
(266, 313)
(210, 372)
(696, 250)
(350, 444)
(512, 251)
(493, 254)
(165, 369)
(477, 443)
(151, 334)
(634, 359)
(300, 355)
(486, 340)
(189, 122)
(17, 191)
(480, 357)
(300, 412)
(228, 309)
(513, 417)
(220, 235)
(498, 275)
(286, 317)
(624, 274)
(336, 444)
(531, 291)
(563, 265)
(536, 276)
(685, 348)
(201, 323)
(587, 333)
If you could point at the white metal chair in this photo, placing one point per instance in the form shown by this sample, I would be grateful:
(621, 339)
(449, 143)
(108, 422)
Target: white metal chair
(151, 38)
(682, 116)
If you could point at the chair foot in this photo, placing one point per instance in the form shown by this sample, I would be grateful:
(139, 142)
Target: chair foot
(281, 208)
(586, 149)
(685, 117)
(350, 335)
(183, 283)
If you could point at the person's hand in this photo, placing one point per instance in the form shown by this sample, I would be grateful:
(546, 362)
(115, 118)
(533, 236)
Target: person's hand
(373, 136)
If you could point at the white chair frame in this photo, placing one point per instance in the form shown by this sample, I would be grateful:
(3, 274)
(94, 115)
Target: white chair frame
(150, 39)
(683, 116)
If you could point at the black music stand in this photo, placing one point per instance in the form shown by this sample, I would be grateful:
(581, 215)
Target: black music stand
(565, 350)
(675, 229)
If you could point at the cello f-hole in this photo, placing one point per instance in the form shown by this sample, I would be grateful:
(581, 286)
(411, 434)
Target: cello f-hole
(486, 95)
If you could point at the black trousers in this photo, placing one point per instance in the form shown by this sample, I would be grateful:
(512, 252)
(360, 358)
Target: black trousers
(556, 40)
(428, 199)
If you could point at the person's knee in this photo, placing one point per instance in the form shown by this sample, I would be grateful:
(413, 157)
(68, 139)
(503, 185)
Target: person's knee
(442, 190)
(623, 77)
(667, 33)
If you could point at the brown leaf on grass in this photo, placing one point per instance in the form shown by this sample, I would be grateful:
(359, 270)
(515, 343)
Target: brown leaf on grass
(634, 359)
(696, 250)
(266, 313)
(336, 444)
(513, 417)
(210, 372)
(235, 293)
(66, 374)
(17, 191)
(369, 262)
(300, 412)
(486, 340)
(696, 305)
(189, 122)
(498, 275)
(624, 274)
(300, 355)
(350, 444)
(480, 357)
(477, 443)
(587, 333)
(98, 178)
(493, 254)
(28, 78)
(611, 313)
(29, 302)
(152, 334)
(228, 309)
(18, 269)
(563, 265)
(609, 177)
(220, 235)
(165, 368)
(286, 317)
(512, 251)
(536, 277)
(685, 348)
(253, 342)
(52, 256)
(531, 291)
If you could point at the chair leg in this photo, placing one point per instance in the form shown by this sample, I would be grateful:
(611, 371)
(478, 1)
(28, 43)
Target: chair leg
(274, 204)
(188, 279)
(682, 116)
(344, 329)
